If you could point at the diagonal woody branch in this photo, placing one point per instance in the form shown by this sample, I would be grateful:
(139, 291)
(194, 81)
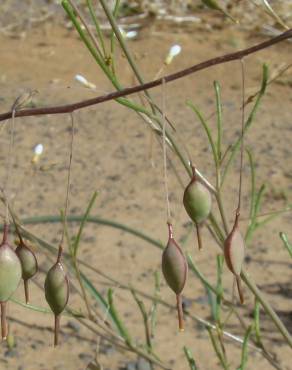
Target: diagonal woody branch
(68, 108)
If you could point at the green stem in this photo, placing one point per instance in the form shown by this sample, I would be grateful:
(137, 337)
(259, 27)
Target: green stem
(97, 27)
(84, 295)
(123, 44)
(207, 324)
(89, 45)
(221, 210)
(219, 354)
(266, 306)
(246, 278)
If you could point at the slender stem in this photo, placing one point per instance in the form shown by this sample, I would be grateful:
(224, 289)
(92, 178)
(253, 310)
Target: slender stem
(131, 348)
(239, 288)
(242, 135)
(5, 233)
(219, 120)
(26, 291)
(168, 213)
(207, 324)
(60, 252)
(222, 211)
(67, 191)
(265, 304)
(180, 313)
(4, 330)
(56, 330)
(84, 295)
(169, 78)
(9, 161)
(244, 275)
(199, 237)
(219, 354)
(113, 23)
(91, 35)
(97, 27)
(100, 61)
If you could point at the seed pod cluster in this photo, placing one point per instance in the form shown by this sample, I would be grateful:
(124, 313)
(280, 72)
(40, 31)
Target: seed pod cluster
(29, 264)
(175, 269)
(10, 275)
(234, 251)
(197, 202)
(57, 293)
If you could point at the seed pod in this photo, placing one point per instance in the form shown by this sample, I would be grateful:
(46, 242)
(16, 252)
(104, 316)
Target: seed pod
(197, 202)
(10, 275)
(57, 293)
(175, 268)
(29, 265)
(234, 250)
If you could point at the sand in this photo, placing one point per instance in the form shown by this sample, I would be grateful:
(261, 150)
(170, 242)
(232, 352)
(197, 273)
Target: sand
(116, 155)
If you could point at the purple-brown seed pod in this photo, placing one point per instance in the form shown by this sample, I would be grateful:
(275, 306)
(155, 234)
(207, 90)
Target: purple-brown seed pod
(175, 269)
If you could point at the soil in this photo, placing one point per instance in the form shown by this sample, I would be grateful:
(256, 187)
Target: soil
(116, 155)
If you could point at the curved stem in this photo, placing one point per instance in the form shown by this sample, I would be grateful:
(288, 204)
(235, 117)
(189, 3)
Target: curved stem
(132, 90)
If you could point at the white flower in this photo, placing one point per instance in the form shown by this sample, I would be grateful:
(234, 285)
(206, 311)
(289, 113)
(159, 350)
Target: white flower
(38, 149)
(84, 82)
(131, 34)
(173, 51)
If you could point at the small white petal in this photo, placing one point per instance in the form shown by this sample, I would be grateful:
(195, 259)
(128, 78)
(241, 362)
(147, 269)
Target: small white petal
(131, 34)
(175, 50)
(81, 79)
(84, 82)
(38, 149)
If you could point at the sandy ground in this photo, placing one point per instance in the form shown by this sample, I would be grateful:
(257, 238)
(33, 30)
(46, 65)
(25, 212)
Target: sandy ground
(111, 155)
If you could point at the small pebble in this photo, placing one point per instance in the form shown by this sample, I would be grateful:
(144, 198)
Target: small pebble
(130, 366)
(11, 353)
(108, 351)
(74, 326)
(142, 364)
(85, 357)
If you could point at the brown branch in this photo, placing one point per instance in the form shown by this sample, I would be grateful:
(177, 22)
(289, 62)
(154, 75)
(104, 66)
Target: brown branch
(69, 108)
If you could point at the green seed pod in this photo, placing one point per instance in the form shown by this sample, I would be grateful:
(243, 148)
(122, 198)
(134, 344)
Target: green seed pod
(29, 265)
(10, 275)
(175, 268)
(57, 288)
(57, 293)
(28, 261)
(197, 202)
(10, 272)
(234, 251)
